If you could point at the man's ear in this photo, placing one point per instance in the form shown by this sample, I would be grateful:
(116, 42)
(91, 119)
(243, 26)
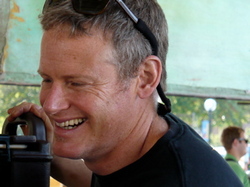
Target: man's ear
(235, 143)
(149, 76)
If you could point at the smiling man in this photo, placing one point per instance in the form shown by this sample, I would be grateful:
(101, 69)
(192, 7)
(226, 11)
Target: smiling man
(101, 64)
(235, 144)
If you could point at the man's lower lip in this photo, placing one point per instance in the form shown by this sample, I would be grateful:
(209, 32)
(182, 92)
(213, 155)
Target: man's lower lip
(67, 128)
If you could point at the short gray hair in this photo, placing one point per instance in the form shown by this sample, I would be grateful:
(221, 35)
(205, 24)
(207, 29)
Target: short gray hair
(131, 47)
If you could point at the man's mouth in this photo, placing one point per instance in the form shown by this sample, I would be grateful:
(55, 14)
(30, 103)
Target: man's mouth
(71, 124)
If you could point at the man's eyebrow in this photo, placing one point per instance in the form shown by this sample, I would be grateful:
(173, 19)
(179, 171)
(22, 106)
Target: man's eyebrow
(39, 72)
(73, 76)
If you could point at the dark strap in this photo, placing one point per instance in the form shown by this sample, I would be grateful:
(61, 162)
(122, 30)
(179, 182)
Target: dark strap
(230, 159)
(143, 28)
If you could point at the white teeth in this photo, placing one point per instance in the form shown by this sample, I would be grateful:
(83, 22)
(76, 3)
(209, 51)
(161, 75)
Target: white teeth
(71, 123)
(76, 121)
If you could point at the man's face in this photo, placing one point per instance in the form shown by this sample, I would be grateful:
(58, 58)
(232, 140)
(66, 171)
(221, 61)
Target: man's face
(91, 112)
(242, 147)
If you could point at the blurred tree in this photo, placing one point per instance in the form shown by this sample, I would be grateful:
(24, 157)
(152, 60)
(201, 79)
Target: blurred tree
(227, 113)
(12, 95)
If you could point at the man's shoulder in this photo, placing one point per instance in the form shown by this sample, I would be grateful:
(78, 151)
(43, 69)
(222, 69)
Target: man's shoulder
(197, 159)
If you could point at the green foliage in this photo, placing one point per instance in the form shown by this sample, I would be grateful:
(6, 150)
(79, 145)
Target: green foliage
(13, 95)
(228, 113)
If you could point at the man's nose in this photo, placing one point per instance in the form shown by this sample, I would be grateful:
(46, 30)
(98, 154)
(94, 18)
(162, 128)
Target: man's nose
(55, 100)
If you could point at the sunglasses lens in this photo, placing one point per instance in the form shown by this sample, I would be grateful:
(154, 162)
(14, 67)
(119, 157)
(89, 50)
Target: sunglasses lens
(242, 139)
(92, 7)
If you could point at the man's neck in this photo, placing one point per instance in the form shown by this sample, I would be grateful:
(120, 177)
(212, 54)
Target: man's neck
(131, 149)
(235, 154)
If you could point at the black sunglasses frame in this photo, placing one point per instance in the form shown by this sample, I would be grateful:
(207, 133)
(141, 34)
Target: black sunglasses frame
(243, 139)
(94, 7)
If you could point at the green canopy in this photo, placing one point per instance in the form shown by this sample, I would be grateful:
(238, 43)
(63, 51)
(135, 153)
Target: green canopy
(20, 34)
(209, 52)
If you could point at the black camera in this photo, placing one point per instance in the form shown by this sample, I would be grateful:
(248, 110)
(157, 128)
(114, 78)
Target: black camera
(24, 157)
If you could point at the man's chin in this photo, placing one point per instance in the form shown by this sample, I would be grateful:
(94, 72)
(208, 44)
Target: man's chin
(63, 150)
(65, 154)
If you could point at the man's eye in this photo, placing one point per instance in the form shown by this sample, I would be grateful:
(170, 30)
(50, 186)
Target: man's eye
(46, 81)
(76, 84)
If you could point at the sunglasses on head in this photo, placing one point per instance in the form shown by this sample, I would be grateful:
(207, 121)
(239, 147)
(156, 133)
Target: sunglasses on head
(91, 7)
(95, 7)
